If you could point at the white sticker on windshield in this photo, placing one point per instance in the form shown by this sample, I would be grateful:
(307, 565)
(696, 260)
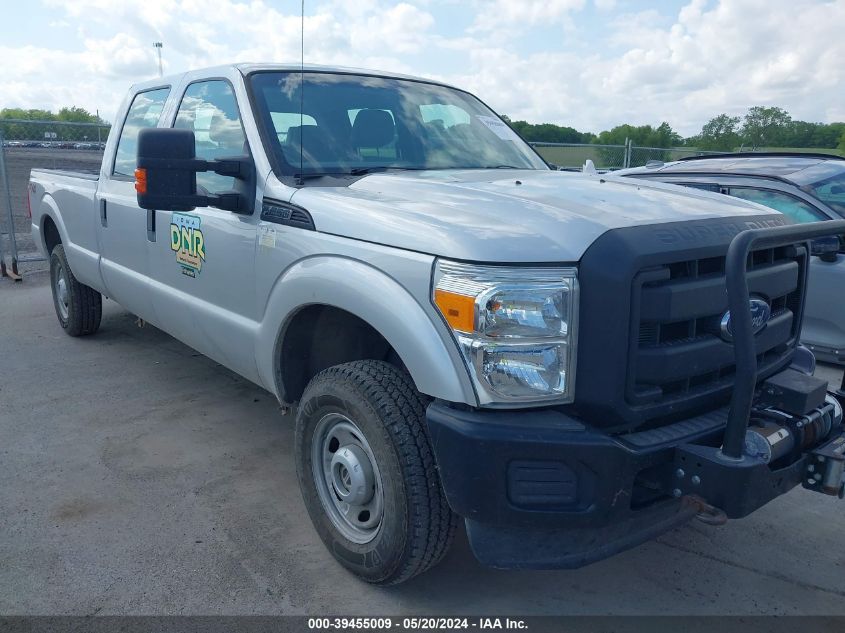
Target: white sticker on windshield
(497, 127)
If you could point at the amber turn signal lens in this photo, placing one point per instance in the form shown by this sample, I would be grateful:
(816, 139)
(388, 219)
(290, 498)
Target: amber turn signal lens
(459, 310)
(141, 180)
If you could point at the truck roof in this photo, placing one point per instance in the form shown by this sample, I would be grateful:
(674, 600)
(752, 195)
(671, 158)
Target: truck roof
(785, 165)
(249, 67)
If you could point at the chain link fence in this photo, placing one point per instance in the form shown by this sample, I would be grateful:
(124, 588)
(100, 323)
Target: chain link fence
(609, 157)
(574, 155)
(26, 145)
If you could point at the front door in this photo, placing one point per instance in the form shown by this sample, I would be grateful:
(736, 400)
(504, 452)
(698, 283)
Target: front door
(202, 261)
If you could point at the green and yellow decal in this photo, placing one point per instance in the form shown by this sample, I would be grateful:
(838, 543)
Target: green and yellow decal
(186, 240)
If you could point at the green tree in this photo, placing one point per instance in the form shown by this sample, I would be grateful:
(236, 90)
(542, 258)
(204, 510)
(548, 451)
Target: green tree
(645, 135)
(842, 144)
(548, 132)
(78, 115)
(27, 115)
(37, 122)
(720, 133)
(764, 126)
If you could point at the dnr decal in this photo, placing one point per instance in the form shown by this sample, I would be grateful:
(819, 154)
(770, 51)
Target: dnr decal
(186, 240)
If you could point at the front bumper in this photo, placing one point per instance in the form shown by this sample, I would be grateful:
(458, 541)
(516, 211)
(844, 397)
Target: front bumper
(540, 489)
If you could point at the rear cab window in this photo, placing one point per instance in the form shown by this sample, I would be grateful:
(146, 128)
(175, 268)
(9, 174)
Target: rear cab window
(144, 111)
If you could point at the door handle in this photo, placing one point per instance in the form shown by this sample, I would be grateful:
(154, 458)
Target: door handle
(151, 225)
(104, 218)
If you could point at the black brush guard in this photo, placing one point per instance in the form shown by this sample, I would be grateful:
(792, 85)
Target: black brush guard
(745, 381)
(725, 477)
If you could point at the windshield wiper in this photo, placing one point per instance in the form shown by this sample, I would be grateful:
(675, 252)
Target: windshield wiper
(355, 171)
(359, 171)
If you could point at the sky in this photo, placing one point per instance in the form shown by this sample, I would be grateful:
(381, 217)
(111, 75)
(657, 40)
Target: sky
(589, 64)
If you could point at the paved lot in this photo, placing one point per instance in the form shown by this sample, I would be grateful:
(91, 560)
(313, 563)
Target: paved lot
(139, 477)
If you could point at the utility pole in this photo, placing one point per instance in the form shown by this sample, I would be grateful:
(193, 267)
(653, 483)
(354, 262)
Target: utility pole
(158, 46)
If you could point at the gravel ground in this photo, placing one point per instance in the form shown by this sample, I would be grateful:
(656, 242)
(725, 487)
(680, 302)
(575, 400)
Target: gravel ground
(139, 477)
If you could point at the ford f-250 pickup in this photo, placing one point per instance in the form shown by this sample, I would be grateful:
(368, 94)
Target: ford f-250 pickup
(572, 364)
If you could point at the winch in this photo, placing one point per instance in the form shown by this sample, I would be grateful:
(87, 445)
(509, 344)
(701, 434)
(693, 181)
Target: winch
(774, 434)
(791, 416)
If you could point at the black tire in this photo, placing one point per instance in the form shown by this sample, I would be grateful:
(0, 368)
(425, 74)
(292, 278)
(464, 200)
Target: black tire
(417, 526)
(81, 308)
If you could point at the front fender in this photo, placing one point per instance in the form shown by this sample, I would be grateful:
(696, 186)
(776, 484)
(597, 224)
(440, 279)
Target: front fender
(430, 356)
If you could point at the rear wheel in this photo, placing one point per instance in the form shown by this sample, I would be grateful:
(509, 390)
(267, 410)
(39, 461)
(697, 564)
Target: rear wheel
(78, 307)
(367, 472)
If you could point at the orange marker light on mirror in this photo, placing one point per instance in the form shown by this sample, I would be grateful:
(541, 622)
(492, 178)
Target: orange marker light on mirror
(458, 310)
(141, 180)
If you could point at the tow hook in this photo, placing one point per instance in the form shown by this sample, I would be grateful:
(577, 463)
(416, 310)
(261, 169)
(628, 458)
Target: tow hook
(825, 470)
(711, 515)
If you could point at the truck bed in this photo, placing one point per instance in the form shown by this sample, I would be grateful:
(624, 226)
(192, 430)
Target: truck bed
(74, 193)
(83, 174)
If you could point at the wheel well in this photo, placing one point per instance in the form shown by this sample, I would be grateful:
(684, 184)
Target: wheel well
(318, 337)
(51, 234)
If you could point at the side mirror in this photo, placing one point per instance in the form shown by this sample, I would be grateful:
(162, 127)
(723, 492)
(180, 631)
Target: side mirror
(166, 177)
(826, 248)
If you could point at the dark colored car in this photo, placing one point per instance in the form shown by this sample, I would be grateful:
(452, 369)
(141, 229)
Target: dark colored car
(805, 187)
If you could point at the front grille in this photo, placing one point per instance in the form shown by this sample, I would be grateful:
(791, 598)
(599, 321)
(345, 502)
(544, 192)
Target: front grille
(651, 296)
(677, 353)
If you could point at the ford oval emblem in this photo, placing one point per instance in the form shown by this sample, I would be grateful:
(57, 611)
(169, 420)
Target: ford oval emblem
(760, 315)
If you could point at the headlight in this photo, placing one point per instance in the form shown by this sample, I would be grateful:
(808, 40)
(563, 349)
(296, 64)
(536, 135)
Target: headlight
(515, 327)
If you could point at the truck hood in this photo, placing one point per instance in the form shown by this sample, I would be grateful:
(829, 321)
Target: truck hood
(504, 215)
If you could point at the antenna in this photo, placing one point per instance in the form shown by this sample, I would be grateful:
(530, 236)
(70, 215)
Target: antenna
(158, 46)
(301, 88)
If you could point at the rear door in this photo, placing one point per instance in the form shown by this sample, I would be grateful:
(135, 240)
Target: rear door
(202, 261)
(123, 224)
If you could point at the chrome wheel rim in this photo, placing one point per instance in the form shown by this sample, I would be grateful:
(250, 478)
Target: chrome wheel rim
(347, 478)
(60, 290)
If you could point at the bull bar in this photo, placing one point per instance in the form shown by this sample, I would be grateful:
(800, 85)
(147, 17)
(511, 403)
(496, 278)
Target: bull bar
(743, 335)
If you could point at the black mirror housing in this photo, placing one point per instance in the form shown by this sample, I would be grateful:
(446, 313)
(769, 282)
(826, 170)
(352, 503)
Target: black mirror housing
(163, 186)
(826, 248)
(166, 177)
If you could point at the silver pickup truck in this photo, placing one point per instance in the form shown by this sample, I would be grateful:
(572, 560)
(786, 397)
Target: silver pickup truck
(572, 364)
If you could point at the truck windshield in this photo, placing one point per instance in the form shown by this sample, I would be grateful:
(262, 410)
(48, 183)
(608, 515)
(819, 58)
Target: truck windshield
(353, 124)
(831, 191)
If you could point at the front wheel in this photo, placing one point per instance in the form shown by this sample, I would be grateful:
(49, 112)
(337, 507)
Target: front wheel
(79, 308)
(367, 472)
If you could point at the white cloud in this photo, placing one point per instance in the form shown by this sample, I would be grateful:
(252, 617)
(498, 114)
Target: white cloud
(709, 57)
(504, 14)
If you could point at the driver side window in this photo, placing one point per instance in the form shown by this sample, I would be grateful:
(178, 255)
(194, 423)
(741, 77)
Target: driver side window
(210, 109)
(798, 210)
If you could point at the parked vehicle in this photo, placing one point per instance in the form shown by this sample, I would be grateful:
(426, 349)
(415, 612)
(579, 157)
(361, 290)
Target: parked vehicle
(805, 187)
(464, 332)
